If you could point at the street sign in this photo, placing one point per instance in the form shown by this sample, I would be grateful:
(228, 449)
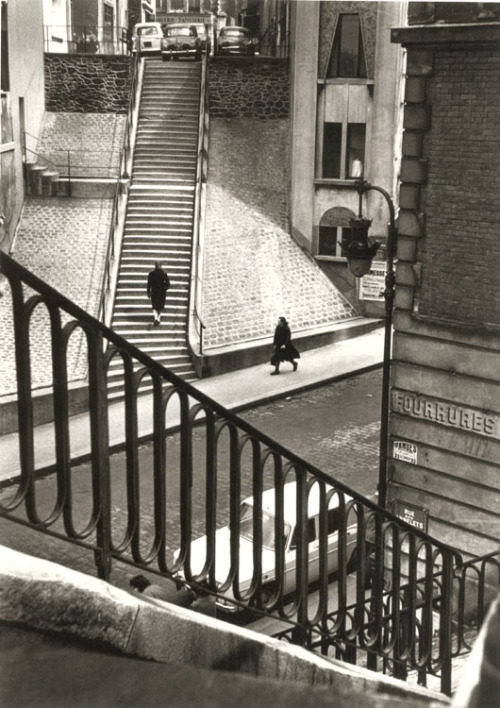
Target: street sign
(416, 516)
(405, 451)
(372, 285)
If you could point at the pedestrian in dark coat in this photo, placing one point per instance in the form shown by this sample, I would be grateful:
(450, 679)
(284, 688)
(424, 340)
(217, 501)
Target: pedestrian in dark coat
(284, 350)
(158, 284)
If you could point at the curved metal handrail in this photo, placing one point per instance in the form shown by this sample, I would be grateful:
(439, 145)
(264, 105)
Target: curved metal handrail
(394, 610)
(195, 279)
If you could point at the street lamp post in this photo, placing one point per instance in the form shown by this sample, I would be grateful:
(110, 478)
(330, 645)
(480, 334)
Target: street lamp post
(359, 256)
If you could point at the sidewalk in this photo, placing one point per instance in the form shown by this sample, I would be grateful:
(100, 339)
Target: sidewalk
(235, 391)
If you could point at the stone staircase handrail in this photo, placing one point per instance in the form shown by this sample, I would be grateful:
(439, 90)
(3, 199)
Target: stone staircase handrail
(110, 274)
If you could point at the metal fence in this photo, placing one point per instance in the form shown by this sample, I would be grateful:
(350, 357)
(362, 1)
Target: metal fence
(391, 604)
(86, 39)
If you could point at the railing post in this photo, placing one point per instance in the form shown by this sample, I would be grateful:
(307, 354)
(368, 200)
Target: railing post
(69, 175)
(445, 625)
(100, 454)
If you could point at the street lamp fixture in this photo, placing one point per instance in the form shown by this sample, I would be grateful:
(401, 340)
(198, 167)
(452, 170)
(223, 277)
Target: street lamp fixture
(359, 256)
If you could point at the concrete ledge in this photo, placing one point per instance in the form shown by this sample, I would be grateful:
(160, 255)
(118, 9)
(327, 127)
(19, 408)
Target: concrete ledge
(43, 406)
(89, 188)
(226, 359)
(45, 596)
(446, 34)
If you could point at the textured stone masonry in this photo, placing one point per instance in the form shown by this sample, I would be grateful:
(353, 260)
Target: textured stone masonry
(254, 271)
(249, 88)
(87, 83)
(63, 241)
(91, 142)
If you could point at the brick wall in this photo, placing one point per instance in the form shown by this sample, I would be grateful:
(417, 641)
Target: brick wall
(249, 88)
(451, 12)
(462, 209)
(87, 84)
(446, 348)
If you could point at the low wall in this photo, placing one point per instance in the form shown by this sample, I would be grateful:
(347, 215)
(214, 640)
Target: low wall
(86, 83)
(45, 596)
(249, 87)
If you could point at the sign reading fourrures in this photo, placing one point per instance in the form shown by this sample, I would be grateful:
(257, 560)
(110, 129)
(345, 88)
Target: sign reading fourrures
(467, 419)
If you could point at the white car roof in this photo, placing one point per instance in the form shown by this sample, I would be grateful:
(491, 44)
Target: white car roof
(290, 501)
(140, 25)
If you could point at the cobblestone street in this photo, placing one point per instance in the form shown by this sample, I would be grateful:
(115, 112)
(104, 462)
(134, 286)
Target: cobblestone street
(334, 427)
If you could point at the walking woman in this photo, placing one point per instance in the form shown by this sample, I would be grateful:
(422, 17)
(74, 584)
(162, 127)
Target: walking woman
(283, 347)
(158, 284)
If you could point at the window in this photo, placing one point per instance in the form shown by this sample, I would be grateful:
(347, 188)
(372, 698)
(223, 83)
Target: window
(347, 59)
(334, 232)
(343, 139)
(355, 150)
(332, 150)
(5, 50)
(109, 21)
(176, 5)
(194, 6)
(311, 533)
(333, 240)
(334, 520)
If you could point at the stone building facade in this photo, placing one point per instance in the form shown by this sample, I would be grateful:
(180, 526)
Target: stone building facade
(22, 104)
(445, 396)
(346, 90)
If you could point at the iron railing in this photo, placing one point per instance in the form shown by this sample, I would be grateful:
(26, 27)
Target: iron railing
(86, 39)
(121, 190)
(76, 164)
(195, 285)
(473, 589)
(392, 604)
(274, 44)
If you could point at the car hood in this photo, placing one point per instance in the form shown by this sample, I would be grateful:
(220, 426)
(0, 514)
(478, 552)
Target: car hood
(223, 559)
(179, 39)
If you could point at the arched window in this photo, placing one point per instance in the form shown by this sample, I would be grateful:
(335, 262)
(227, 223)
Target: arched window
(334, 231)
(347, 59)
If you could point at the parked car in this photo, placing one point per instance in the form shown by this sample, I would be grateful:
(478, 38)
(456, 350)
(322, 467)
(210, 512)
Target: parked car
(204, 35)
(237, 40)
(246, 566)
(180, 41)
(146, 38)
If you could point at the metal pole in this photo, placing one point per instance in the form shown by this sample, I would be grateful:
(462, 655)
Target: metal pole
(389, 294)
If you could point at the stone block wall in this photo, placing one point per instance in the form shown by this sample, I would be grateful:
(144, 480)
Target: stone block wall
(241, 87)
(448, 174)
(87, 83)
(462, 206)
(445, 387)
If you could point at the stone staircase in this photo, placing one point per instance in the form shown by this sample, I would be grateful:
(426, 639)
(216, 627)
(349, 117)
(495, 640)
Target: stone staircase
(159, 218)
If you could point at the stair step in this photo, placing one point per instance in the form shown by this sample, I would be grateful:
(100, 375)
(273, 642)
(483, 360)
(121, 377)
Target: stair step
(159, 219)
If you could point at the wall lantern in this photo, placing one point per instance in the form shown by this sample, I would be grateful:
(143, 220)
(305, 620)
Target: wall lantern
(358, 253)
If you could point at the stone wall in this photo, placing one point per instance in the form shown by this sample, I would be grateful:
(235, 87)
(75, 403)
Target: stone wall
(462, 205)
(87, 83)
(242, 87)
(445, 389)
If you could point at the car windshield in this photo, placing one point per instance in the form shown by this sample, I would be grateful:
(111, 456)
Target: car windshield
(234, 33)
(268, 521)
(201, 29)
(179, 32)
(147, 30)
